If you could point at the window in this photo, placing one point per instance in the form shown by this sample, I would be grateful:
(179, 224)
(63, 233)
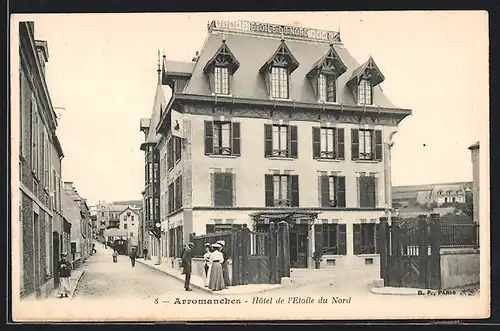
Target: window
(279, 82)
(280, 140)
(171, 197)
(48, 244)
(221, 79)
(34, 136)
(332, 190)
(213, 228)
(366, 144)
(222, 189)
(367, 191)
(132, 217)
(326, 88)
(178, 193)
(453, 199)
(222, 138)
(125, 226)
(131, 234)
(282, 190)
(177, 148)
(365, 237)
(330, 239)
(365, 92)
(328, 143)
(445, 199)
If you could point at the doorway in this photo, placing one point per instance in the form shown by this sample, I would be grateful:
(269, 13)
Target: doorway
(55, 256)
(298, 246)
(36, 253)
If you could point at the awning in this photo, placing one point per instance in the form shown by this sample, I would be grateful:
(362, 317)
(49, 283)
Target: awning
(115, 233)
(286, 216)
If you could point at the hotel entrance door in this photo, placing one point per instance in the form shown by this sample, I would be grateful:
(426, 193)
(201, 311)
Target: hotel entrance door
(298, 246)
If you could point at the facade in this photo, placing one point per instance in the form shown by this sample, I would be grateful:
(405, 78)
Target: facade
(129, 221)
(439, 194)
(474, 149)
(107, 214)
(296, 129)
(40, 153)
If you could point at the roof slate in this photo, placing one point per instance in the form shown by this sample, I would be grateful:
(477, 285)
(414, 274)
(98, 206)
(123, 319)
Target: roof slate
(252, 52)
(179, 67)
(160, 97)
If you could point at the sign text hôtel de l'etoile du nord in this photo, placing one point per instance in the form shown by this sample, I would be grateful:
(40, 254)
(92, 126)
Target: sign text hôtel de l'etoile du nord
(275, 30)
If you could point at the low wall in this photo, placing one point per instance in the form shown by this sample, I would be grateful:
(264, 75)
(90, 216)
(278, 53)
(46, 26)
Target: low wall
(459, 267)
(340, 261)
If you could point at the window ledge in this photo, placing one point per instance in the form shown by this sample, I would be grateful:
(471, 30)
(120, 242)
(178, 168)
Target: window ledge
(222, 95)
(368, 255)
(223, 156)
(281, 99)
(329, 102)
(366, 161)
(329, 256)
(328, 160)
(281, 158)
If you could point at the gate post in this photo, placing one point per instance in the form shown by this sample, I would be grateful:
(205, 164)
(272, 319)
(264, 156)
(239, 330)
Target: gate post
(423, 248)
(272, 254)
(245, 243)
(435, 261)
(284, 254)
(383, 248)
(396, 251)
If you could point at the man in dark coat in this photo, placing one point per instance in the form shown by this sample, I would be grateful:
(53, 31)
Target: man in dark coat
(133, 255)
(186, 265)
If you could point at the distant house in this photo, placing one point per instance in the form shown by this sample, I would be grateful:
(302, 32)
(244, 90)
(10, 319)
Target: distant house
(441, 193)
(129, 222)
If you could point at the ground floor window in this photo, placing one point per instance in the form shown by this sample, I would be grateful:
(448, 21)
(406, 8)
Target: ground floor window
(176, 242)
(365, 238)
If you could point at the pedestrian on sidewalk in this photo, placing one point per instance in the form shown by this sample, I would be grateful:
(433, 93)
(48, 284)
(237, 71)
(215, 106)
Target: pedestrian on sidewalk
(93, 249)
(145, 253)
(186, 266)
(115, 256)
(64, 276)
(133, 255)
(206, 259)
(225, 269)
(216, 282)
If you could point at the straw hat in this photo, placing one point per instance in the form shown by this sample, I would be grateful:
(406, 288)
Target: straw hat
(207, 245)
(221, 242)
(216, 245)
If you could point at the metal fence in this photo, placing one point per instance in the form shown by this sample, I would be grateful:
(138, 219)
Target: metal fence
(200, 241)
(459, 235)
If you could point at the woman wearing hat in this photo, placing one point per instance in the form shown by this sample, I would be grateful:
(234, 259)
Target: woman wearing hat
(64, 269)
(206, 259)
(225, 270)
(216, 282)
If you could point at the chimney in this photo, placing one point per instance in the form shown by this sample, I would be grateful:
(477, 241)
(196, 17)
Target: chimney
(68, 185)
(196, 56)
(42, 52)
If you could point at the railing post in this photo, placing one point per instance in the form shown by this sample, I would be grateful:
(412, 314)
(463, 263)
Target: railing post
(272, 253)
(423, 250)
(435, 265)
(383, 247)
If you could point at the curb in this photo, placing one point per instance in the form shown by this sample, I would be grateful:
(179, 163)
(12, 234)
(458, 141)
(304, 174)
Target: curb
(76, 285)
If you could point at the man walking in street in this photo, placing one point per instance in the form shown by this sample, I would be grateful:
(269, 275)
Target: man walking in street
(186, 265)
(133, 255)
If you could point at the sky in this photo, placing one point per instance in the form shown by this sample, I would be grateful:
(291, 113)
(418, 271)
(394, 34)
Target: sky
(102, 71)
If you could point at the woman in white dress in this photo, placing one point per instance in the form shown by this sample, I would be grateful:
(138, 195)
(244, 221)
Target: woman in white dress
(206, 267)
(216, 282)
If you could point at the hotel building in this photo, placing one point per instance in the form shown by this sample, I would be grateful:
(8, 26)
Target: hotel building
(276, 123)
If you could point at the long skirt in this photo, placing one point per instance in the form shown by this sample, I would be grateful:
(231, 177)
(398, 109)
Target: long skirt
(64, 285)
(216, 282)
(206, 274)
(225, 274)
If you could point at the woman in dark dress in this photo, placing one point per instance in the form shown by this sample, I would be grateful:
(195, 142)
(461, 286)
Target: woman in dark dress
(225, 270)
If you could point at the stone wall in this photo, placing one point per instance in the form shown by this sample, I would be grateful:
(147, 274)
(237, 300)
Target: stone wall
(459, 267)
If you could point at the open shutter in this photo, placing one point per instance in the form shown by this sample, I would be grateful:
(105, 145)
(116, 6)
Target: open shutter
(218, 189)
(316, 135)
(268, 140)
(293, 141)
(339, 139)
(318, 238)
(342, 239)
(209, 138)
(269, 187)
(340, 194)
(228, 189)
(378, 145)
(236, 139)
(294, 190)
(370, 191)
(354, 144)
(357, 238)
(363, 199)
(325, 192)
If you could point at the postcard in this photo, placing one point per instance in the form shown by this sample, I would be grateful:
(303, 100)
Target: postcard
(250, 166)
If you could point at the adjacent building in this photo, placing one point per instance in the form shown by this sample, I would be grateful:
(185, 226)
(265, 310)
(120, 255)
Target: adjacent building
(40, 212)
(430, 194)
(107, 214)
(474, 149)
(271, 123)
(129, 221)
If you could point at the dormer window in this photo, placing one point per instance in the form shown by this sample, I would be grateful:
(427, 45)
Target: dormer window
(277, 70)
(363, 80)
(220, 69)
(323, 76)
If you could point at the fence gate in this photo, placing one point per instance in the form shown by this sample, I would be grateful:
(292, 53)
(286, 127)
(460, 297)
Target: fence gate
(409, 254)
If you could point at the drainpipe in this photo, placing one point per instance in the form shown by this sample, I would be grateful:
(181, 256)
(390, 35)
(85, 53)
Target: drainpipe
(387, 175)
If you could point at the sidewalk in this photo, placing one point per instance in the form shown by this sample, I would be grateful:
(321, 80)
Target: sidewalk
(197, 281)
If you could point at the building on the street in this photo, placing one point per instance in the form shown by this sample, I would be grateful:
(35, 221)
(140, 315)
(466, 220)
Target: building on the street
(40, 154)
(474, 149)
(107, 213)
(295, 127)
(437, 194)
(129, 221)
(79, 214)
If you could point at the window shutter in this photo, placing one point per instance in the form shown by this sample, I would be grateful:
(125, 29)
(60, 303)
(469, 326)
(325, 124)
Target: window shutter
(354, 144)
(269, 190)
(340, 191)
(268, 140)
(316, 133)
(377, 234)
(325, 194)
(209, 138)
(218, 189)
(293, 141)
(342, 239)
(378, 145)
(363, 194)
(209, 228)
(228, 189)
(370, 191)
(357, 238)
(340, 149)
(294, 190)
(318, 238)
(236, 139)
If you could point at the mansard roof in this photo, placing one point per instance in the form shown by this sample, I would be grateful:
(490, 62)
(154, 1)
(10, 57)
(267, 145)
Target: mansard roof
(323, 63)
(370, 69)
(252, 51)
(224, 51)
(281, 50)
